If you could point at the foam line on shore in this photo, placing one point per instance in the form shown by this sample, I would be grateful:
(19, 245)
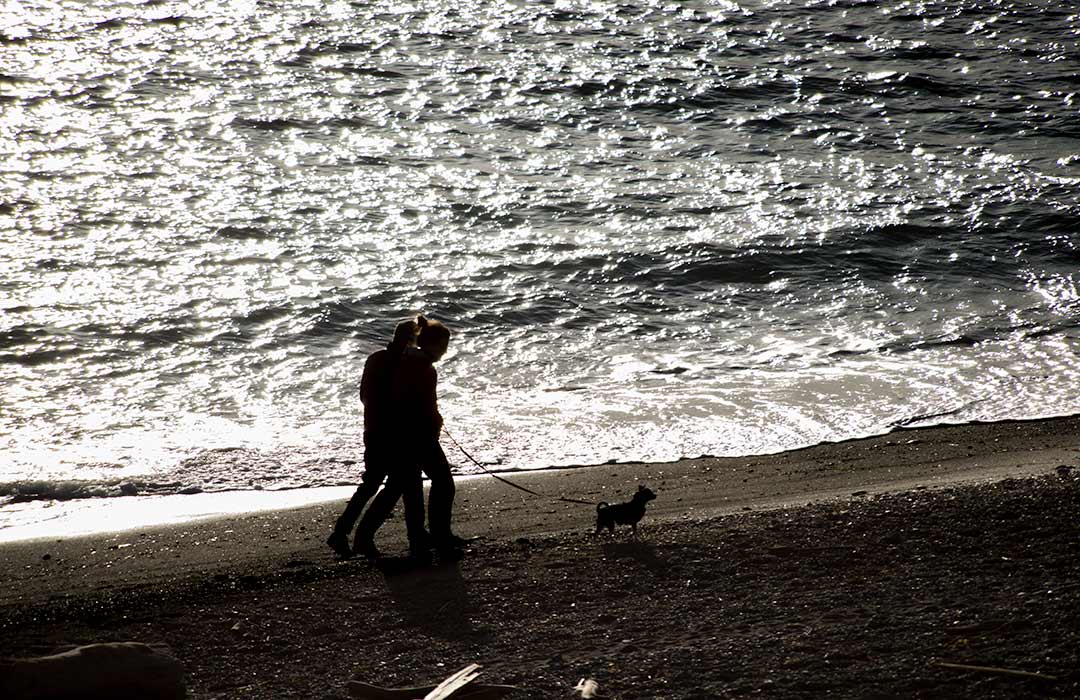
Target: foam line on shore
(905, 458)
(95, 516)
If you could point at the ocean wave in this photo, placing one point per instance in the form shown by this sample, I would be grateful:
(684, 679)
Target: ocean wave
(243, 233)
(75, 489)
(272, 123)
(883, 253)
(649, 226)
(35, 358)
(20, 336)
(985, 332)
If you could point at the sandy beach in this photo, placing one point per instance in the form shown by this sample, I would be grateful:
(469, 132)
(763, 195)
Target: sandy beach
(882, 567)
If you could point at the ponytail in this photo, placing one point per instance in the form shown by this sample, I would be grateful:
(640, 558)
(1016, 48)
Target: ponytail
(431, 331)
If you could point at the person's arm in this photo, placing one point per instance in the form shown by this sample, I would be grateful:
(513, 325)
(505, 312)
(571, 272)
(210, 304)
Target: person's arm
(366, 382)
(431, 401)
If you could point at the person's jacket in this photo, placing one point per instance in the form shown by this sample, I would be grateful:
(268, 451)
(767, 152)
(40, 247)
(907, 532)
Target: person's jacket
(413, 394)
(375, 390)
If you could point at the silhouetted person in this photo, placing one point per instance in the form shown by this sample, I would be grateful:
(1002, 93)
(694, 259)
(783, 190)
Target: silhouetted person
(413, 393)
(382, 446)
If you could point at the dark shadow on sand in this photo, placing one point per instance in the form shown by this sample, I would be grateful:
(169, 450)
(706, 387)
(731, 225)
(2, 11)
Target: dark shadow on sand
(430, 596)
(641, 552)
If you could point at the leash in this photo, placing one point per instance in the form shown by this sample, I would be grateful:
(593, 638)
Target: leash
(511, 483)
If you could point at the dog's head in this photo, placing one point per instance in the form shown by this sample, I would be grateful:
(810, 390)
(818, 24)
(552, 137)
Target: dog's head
(644, 494)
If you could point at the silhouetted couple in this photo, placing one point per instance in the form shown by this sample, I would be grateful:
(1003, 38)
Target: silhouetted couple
(401, 439)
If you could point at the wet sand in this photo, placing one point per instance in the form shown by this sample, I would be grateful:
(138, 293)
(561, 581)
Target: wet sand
(852, 569)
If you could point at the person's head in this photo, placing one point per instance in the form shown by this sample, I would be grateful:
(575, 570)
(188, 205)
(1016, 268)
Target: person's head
(434, 337)
(405, 335)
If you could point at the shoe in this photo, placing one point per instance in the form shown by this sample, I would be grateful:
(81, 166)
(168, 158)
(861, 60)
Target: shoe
(420, 556)
(450, 541)
(449, 555)
(366, 549)
(340, 544)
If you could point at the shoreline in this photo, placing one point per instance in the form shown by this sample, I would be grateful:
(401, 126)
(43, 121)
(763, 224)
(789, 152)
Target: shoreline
(687, 490)
(879, 567)
(53, 519)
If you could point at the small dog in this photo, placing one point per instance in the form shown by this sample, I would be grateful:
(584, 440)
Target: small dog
(629, 513)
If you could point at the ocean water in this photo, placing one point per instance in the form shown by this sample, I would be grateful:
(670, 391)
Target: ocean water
(656, 229)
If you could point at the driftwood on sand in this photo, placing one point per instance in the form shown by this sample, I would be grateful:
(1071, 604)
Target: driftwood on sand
(459, 686)
(995, 670)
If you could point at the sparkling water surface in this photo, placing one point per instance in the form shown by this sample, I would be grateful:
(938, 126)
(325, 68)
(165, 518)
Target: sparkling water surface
(657, 229)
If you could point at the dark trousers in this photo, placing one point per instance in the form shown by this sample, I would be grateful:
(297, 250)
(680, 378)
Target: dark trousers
(404, 483)
(377, 464)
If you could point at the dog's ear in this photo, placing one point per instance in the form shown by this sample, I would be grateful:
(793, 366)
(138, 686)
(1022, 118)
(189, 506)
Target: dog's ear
(641, 487)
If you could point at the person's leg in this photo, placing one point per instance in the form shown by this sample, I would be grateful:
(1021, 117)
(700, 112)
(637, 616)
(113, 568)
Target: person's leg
(380, 509)
(409, 483)
(370, 480)
(367, 488)
(441, 496)
(412, 497)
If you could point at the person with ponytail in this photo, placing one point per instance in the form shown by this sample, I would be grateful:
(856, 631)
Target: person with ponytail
(414, 396)
(382, 453)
